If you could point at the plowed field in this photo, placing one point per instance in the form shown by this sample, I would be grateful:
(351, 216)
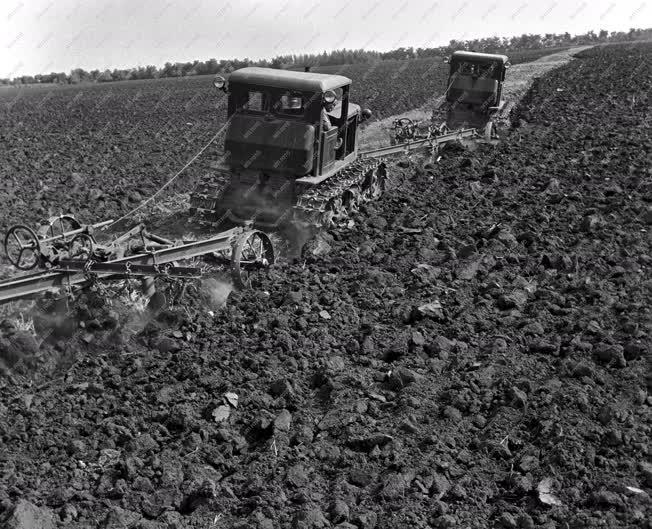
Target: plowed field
(473, 352)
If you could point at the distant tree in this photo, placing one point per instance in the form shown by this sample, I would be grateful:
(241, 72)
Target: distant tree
(339, 57)
(79, 75)
(105, 77)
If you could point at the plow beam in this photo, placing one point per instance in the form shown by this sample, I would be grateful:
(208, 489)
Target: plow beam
(415, 145)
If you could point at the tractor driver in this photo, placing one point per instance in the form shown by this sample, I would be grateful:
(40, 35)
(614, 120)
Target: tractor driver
(325, 120)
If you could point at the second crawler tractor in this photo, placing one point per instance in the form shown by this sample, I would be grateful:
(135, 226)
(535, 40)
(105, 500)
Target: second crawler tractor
(474, 91)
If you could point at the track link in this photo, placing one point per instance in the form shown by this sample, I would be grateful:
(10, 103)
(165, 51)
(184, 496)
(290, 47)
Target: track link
(336, 199)
(207, 203)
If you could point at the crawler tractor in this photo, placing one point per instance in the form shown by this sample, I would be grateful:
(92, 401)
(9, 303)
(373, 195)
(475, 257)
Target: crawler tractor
(282, 163)
(473, 95)
(473, 99)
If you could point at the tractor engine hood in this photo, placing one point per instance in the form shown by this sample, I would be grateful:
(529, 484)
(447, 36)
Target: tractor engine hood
(270, 144)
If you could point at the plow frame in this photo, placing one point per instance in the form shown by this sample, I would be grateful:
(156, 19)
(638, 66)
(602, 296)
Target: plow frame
(160, 262)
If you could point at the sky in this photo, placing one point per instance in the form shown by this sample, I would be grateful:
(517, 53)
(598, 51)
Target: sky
(40, 36)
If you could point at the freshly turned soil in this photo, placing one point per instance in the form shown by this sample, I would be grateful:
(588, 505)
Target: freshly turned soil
(472, 352)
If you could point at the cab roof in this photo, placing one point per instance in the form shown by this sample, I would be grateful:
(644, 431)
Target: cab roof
(480, 57)
(305, 81)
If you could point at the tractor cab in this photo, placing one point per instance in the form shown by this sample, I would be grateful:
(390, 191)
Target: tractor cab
(475, 84)
(276, 126)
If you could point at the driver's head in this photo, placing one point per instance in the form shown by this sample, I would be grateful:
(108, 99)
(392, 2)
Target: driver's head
(329, 106)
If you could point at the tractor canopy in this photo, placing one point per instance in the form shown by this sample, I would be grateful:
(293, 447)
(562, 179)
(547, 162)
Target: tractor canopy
(288, 79)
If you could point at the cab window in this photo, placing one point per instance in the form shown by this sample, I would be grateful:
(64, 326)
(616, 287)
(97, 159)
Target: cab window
(290, 103)
(256, 101)
(468, 68)
(489, 70)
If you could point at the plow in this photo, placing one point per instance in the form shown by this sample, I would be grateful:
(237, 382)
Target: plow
(291, 158)
(69, 258)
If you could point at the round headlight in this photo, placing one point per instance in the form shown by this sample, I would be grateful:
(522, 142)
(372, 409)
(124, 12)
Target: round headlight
(329, 96)
(508, 64)
(219, 82)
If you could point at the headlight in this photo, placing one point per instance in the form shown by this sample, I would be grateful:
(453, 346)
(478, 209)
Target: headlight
(219, 82)
(508, 64)
(329, 96)
(446, 60)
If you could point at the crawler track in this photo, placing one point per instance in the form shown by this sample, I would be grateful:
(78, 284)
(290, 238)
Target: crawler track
(216, 200)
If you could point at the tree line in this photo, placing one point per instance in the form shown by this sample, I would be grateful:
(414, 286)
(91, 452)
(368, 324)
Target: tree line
(335, 57)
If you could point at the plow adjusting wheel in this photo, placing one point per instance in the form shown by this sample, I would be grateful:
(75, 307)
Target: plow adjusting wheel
(22, 247)
(58, 226)
(81, 245)
(253, 254)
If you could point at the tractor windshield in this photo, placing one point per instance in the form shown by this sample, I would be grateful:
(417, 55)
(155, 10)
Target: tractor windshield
(487, 70)
(290, 103)
(256, 101)
(268, 100)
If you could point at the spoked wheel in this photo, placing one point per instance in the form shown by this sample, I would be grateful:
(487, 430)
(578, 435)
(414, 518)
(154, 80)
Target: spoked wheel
(22, 247)
(405, 129)
(57, 226)
(81, 245)
(253, 254)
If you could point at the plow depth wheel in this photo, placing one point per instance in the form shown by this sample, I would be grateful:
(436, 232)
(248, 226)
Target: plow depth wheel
(58, 226)
(22, 247)
(253, 253)
(81, 245)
